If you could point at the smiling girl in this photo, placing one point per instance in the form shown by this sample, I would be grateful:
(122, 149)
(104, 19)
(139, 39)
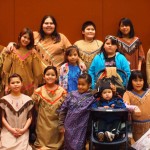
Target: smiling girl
(138, 94)
(130, 45)
(24, 61)
(70, 71)
(48, 98)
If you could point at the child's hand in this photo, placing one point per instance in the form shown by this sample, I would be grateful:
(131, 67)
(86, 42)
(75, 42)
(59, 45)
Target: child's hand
(10, 47)
(82, 66)
(113, 87)
(106, 107)
(113, 105)
(14, 132)
(137, 111)
(20, 131)
(61, 129)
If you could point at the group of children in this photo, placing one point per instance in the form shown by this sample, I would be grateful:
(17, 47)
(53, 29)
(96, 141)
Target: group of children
(65, 118)
(61, 117)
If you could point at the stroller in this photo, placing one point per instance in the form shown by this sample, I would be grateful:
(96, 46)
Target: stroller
(97, 115)
(115, 76)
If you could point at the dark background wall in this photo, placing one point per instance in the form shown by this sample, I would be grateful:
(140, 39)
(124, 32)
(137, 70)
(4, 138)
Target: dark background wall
(70, 14)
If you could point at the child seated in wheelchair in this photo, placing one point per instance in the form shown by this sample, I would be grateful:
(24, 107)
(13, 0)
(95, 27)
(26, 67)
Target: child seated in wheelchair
(108, 128)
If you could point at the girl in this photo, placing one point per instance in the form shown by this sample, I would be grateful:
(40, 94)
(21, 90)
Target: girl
(88, 46)
(74, 114)
(109, 57)
(16, 116)
(130, 45)
(48, 99)
(24, 61)
(138, 94)
(70, 71)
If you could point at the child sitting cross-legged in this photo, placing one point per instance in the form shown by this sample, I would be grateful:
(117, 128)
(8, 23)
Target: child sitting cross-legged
(109, 127)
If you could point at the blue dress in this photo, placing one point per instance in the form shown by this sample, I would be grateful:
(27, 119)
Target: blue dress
(74, 72)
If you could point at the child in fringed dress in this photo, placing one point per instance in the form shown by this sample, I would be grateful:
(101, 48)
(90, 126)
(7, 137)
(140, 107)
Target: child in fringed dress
(138, 94)
(48, 99)
(24, 61)
(16, 117)
(74, 114)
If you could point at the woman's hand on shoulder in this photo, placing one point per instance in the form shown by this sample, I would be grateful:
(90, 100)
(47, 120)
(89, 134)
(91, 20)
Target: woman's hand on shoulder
(82, 66)
(10, 47)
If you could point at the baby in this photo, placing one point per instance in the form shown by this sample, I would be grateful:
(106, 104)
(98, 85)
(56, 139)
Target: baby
(108, 128)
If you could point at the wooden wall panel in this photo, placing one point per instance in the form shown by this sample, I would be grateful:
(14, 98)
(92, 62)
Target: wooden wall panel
(137, 11)
(7, 21)
(70, 14)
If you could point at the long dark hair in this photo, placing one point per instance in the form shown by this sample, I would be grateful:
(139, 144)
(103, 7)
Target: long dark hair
(26, 31)
(134, 75)
(55, 35)
(114, 41)
(69, 50)
(126, 22)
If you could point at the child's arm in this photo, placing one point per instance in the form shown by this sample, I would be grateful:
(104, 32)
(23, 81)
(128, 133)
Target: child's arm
(133, 108)
(62, 116)
(126, 98)
(118, 104)
(141, 56)
(139, 64)
(8, 127)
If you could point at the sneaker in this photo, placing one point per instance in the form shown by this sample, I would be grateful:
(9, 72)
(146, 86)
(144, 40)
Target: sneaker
(100, 136)
(110, 136)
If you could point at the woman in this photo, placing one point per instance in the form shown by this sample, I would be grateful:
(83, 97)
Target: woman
(88, 46)
(49, 43)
